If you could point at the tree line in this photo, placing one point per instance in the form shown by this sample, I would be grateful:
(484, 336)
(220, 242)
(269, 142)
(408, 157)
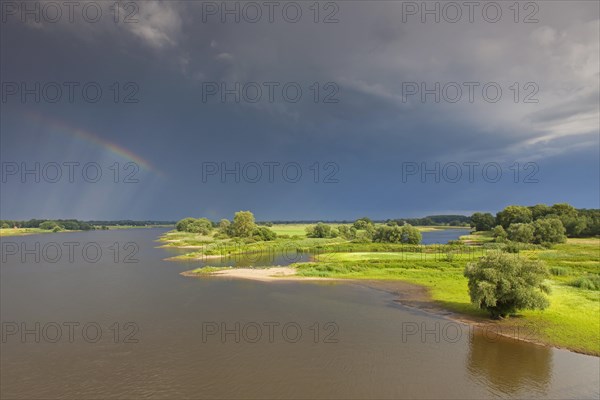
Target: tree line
(539, 224)
(242, 226)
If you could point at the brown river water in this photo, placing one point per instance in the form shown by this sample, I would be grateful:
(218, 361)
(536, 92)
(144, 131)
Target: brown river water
(101, 315)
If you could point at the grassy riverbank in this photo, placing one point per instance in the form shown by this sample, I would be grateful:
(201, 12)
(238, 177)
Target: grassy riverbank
(572, 320)
(21, 231)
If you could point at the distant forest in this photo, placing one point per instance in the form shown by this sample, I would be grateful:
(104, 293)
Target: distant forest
(76, 225)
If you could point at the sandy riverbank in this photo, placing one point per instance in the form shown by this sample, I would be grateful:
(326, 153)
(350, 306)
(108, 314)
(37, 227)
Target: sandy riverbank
(407, 294)
(259, 274)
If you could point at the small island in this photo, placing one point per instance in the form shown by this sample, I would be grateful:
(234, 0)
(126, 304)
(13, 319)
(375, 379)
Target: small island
(532, 269)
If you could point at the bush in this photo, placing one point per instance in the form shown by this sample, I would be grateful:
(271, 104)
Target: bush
(560, 271)
(320, 230)
(512, 247)
(396, 234)
(347, 232)
(503, 284)
(588, 282)
(48, 225)
(548, 231)
(482, 222)
(520, 232)
(499, 233)
(263, 233)
(243, 224)
(193, 225)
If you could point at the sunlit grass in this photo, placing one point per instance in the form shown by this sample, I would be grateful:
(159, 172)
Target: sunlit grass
(21, 231)
(572, 320)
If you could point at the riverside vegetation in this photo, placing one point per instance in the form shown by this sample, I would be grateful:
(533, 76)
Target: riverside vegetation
(531, 268)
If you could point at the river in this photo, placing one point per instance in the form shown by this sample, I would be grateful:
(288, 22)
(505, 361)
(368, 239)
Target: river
(100, 314)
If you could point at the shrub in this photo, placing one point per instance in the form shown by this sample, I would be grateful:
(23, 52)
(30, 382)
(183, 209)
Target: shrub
(549, 231)
(193, 225)
(502, 284)
(560, 271)
(588, 282)
(243, 224)
(482, 222)
(520, 232)
(499, 233)
(48, 225)
(396, 234)
(264, 233)
(512, 247)
(320, 230)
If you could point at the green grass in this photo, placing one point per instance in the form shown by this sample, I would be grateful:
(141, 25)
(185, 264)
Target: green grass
(22, 231)
(572, 321)
(290, 229)
(204, 245)
(478, 238)
(207, 270)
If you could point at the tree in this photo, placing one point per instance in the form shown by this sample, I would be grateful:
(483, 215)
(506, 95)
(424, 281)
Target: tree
(520, 233)
(503, 284)
(388, 234)
(224, 226)
(396, 234)
(513, 215)
(320, 230)
(243, 224)
(347, 232)
(411, 235)
(48, 225)
(482, 222)
(574, 226)
(539, 211)
(499, 233)
(182, 225)
(201, 225)
(562, 209)
(548, 231)
(362, 223)
(264, 233)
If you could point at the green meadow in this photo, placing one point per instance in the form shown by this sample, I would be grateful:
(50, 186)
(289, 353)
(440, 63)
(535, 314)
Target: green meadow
(572, 320)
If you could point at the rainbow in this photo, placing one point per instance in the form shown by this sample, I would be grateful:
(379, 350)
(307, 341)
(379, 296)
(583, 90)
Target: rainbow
(93, 139)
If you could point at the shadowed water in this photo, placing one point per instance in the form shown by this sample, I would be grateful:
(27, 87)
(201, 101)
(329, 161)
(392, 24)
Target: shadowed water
(342, 340)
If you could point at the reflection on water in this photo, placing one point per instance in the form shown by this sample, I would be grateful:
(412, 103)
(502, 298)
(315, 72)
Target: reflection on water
(507, 367)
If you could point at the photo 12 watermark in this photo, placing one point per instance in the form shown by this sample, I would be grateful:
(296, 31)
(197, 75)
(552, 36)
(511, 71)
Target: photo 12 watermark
(68, 172)
(70, 92)
(269, 332)
(270, 172)
(469, 92)
(254, 12)
(454, 332)
(69, 332)
(269, 92)
(68, 252)
(72, 12)
(453, 12)
(469, 172)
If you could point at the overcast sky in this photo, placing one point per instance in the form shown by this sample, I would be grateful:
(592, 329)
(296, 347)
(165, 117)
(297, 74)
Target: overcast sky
(188, 91)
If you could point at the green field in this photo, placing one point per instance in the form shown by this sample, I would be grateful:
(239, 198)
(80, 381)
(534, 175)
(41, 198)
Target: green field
(572, 320)
(21, 231)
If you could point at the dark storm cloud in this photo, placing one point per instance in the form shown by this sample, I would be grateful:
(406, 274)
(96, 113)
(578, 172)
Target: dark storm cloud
(373, 58)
